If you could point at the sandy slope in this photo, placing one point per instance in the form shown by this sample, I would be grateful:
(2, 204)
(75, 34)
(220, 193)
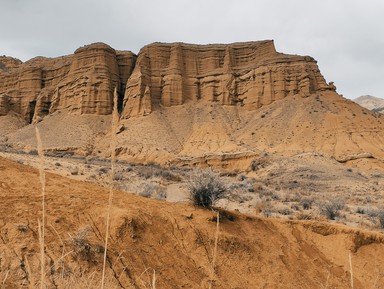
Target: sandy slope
(175, 240)
(194, 132)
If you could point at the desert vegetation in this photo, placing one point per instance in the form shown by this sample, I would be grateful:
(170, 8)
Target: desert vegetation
(303, 188)
(205, 188)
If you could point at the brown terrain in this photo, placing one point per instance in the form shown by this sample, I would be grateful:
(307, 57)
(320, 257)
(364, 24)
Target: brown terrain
(284, 143)
(174, 240)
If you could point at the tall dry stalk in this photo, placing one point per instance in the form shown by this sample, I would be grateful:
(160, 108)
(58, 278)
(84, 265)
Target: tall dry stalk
(350, 269)
(213, 264)
(154, 280)
(42, 225)
(115, 121)
(5, 279)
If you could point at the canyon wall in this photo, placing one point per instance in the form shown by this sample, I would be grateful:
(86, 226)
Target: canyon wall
(82, 82)
(248, 74)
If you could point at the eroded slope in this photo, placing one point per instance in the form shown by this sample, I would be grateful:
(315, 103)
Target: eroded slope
(175, 240)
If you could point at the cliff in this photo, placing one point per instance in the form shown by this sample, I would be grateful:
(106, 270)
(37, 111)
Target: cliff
(82, 82)
(186, 104)
(248, 74)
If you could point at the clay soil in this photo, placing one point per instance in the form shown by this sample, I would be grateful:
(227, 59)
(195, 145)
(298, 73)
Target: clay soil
(171, 243)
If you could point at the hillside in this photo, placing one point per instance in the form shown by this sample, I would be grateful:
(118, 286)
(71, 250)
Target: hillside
(175, 241)
(298, 161)
(370, 102)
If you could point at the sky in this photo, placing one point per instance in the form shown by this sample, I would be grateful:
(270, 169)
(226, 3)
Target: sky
(346, 37)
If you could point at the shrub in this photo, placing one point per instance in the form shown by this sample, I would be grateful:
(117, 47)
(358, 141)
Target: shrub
(154, 170)
(153, 190)
(378, 216)
(267, 208)
(205, 187)
(118, 176)
(306, 203)
(361, 210)
(331, 208)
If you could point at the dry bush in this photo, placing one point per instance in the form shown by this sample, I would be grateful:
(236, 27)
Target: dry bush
(82, 247)
(259, 163)
(205, 188)
(377, 216)
(331, 208)
(153, 190)
(267, 208)
(154, 170)
(307, 203)
(119, 176)
(244, 186)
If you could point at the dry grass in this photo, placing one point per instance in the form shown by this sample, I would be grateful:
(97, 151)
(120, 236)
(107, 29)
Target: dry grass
(115, 123)
(212, 272)
(5, 279)
(350, 269)
(42, 225)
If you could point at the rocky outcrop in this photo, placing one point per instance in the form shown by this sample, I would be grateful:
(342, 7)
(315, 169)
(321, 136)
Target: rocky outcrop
(82, 82)
(248, 74)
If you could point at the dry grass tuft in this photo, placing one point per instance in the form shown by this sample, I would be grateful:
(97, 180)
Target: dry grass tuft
(42, 224)
(213, 264)
(350, 269)
(115, 124)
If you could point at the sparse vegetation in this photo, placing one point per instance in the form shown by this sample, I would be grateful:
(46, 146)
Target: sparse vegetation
(81, 246)
(307, 203)
(154, 170)
(331, 207)
(153, 190)
(377, 216)
(205, 187)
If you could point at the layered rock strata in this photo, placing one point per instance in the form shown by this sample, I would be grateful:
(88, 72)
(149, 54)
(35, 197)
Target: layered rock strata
(82, 82)
(248, 74)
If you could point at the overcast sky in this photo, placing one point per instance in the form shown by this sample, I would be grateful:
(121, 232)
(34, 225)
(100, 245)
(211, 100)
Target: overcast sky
(346, 37)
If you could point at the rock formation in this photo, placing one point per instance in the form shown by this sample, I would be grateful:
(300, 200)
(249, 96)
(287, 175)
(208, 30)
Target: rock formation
(248, 74)
(187, 104)
(82, 82)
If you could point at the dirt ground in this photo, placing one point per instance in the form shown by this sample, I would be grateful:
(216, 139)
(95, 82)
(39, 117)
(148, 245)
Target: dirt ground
(173, 242)
(297, 187)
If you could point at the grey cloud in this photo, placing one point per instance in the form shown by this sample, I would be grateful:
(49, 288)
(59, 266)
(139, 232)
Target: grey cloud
(345, 36)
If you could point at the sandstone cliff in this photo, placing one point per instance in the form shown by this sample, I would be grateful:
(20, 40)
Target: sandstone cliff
(248, 74)
(82, 82)
(183, 103)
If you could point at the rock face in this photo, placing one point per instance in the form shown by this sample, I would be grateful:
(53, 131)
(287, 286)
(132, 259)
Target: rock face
(249, 74)
(188, 104)
(82, 82)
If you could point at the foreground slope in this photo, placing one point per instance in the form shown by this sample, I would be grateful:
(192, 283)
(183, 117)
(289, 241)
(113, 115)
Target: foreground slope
(174, 240)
